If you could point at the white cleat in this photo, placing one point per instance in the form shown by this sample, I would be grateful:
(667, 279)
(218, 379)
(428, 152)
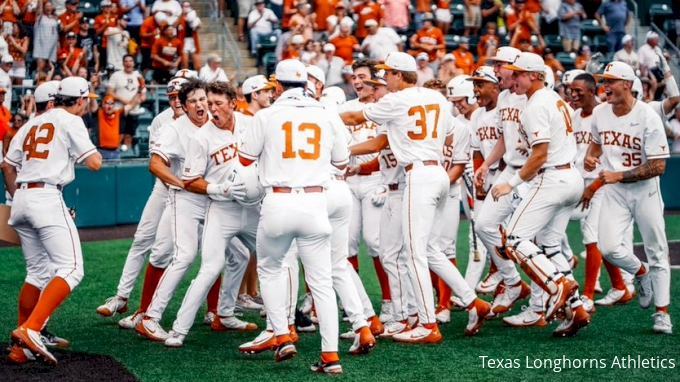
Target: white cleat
(209, 318)
(588, 304)
(527, 318)
(662, 323)
(222, 324)
(394, 327)
(131, 321)
(443, 315)
(348, 335)
(630, 286)
(151, 329)
(489, 283)
(112, 306)
(174, 340)
(385, 311)
(245, 303)
(307, 304)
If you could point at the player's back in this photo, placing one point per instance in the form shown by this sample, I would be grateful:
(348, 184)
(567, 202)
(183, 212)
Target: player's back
(547, 118)
(509, 108)
(47, 147)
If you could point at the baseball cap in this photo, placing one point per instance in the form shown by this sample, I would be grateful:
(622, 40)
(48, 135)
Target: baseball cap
(428, 16)
(7, 59)
(398, 61)
(175, 85)
(449, 57)
(346, 22)
(291, 70)
(84, 20)
(334, 94)
(259, 1)
(347, 69)
(547, 51)
(75, 87)
(255, 84)
(71, 2)
(316, 72)
(105, 3)
(370, 23)
(464, 40)
(626, 39)
(506, 54)
(46, 91)
(484, 73)
(422, 57)
(329, 47)
(617, 70)
(378, 80)
(71, 34)
(527, 62)
(569, 75)
(297, 39)
(186, 73)
(651, 35)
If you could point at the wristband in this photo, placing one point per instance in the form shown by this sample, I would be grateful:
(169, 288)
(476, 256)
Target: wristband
(597, 183)
(515, 181)
(212, 189)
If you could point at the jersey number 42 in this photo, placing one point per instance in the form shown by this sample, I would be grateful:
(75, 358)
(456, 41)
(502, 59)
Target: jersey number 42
(38, 135)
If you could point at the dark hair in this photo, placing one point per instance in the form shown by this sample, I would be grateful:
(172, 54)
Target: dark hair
(66, 101)
(435, 84)
(131, 56)
(41, 106)
(366, 63)
(22, 29)
(292, 85)
(222, 88)
(409, 77)
(588, 79)
(248, 97)
(190, 87)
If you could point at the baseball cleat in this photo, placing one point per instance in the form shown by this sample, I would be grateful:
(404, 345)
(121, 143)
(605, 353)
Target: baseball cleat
(588, 304)
(385, 311)
(443, 315)
(131, 321)
(476, 313)
(348, 335)
(456, 302)
(614, 297)
(303, 323)
(662, 323)
(419, 335)
(630, 286)
(264, 341)
(527, 318)
(364, 342)
(330, 367)
(258, 299)
(504, 302)
(31, 340)
(245, 303)
(394, 327)
(645, 291)
(569, 327)
(174, 340)
(293, 334)
(209, 318)
(112, 306)
(19, 355)
(489, 283)
(151, 329)
(375, 325)
(222, 324)
(50, 340)
(556, 301)
(285, 351)
(307, 303)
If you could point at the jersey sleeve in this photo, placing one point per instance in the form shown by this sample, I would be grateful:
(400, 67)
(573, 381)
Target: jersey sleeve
(593, 128)
(80, 146)
(461, 144)
(167, 145)
(475, 143)
(15, 151)
(537, 125)
(251, 142)
(382, 111)
(340, 150)
(655, 145)
(196, 161)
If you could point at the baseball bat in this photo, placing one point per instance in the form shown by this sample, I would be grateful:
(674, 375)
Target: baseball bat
(469, 190)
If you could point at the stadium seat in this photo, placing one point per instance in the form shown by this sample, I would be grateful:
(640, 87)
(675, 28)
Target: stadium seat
(599, 44)
(457, 26)
(554, 42)
(265, 43)
(269, 61)
(90, 8)
(668, 26)
(658, 13)
(566, 59)
(451, 42)
(591, 28)
(457, 10)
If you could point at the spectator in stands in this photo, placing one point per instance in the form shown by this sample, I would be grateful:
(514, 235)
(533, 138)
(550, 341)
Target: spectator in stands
(323, 9)
(118, 40)
(244, 7)
(448, 68)
(397, 15)
(487, 45)
(27, 18)
(311, 53)
(86, 40)
(5, 115)
(616, 18)
(289, 9)
(331, 65)
(443, 15)
(190, 24)
(258, 92)
(16, 122)
(345, 43)
(6, 63)
(166, 55)
(527, 45)
(346, 84)
(109, 120)
(492, 12)
(674, 124)
(521, 23)
(171, 10)
(18, 46)
(472, 17)
(4, 47)
(570, 15)
(464, 59)
(649, 61)
(293, 48)
(333, 28)
(380, 41)
(127, 86)
(26, 108)
(366, 10)
(429, 39)
(423, 7)
(424, 71)
(627, 54)
(582, 60)
(306, 19)
(134, 10)
(261, 22)
(553, 63)
(102, 22)
(46, 35)
(9, 11)
(212, 70)
(148, 33)
(241, 103)
(70, 19)
(71, 57)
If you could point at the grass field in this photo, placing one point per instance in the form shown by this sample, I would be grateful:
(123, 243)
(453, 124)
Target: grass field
(615, 332)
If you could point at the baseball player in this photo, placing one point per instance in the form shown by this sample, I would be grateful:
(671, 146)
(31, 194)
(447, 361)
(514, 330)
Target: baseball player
(417, 122)
(630, 144)
(555, 191)
(39, 214)
(293, 165)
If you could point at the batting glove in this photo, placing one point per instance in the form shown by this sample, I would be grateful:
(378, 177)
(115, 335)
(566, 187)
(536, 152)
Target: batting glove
(380, 196)
(594, 65)
(232, 190)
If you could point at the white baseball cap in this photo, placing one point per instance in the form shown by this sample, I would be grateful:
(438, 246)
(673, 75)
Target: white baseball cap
(75, 87)
(297, 39)
(347, 22)
(449, 57)
(626, 39)
(398, 61)
(569, 75)
(291, 70)
(46, 91)
(255, 84)
(637, 88)
(506, 54)
(484, 73)
(617, 70)
(335, 94)
(328, 47)
(186, 73)
(651, 35)
(332, 19)
(370, 23)
(527, 62)
(422, 56)
(175, 85)
(459, 87)
(316, 72)
(7, 59)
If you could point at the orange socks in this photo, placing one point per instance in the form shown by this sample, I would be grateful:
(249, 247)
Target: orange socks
(593, 262)
(662, 309)
(328, 357)
(382, 279)
(28, 299)
(641, 271)
(354, 260)
(151, 279)
(55, 292)
(214, 295)
(444, 295)
(614, 275)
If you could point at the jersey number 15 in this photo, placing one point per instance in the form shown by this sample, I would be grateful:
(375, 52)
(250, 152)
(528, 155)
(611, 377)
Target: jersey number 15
(32, 140)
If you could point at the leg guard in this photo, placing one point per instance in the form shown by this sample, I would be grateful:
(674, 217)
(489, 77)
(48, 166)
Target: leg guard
(535, 264)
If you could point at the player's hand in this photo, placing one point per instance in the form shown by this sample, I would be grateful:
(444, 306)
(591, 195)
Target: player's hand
(585, 198)
(236, 191)
(610, 177)
(380, 196)
(480, 175)
(500, 190)
(480, 193)
(352, 170)
(72, 212)
(590, 163)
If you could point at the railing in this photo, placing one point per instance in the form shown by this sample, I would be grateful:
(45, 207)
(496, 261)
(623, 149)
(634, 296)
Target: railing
(227, 44)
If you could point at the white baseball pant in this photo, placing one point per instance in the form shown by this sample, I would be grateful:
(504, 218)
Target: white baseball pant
(365, 217)
(224, 221)
(238, 257)
(448, 226)
(640, 202)
(475, 269)
(304, 217)
(163, 245)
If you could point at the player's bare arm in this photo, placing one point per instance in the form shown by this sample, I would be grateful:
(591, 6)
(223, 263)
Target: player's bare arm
(161, 170)
(9, 173)
(353, 118)
(493, 157)
(592, 156)
(197, 186)
(539, 155)
(93, 162)
(648, 170)
(371, 146)
(455, 172)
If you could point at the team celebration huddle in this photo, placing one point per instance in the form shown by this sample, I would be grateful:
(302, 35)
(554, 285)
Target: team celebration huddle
(302, 174)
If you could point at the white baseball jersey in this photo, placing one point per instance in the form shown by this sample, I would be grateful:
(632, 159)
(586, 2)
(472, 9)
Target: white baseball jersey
(163, 119)
(549, 120)
(173, 141)
(417, 120)
(47, 147)
(458, 152)
(484, 125)
(392, 172)
(294, 148)
(360, 133)
(583, 132)
(630, 140)
(509, 107)
(211, 153)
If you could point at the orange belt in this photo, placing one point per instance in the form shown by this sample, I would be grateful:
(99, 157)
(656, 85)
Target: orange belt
(425, 163)
(288, 190)
(393, 186)
(37, 185)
